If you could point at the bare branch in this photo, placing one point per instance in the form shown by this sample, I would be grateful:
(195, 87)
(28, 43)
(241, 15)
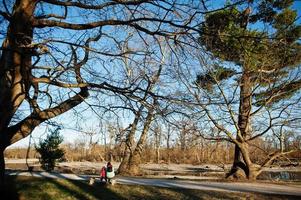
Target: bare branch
(27, 125)
(96, 7)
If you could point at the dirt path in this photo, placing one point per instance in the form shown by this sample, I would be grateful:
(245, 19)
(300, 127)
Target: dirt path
(264, 188)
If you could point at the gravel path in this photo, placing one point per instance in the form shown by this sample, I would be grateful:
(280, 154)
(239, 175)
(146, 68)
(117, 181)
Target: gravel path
(264, 188)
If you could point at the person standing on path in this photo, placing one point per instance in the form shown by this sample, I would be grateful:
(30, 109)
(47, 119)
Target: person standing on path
(110, 172)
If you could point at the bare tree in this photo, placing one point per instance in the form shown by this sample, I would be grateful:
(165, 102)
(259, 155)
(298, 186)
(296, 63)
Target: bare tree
(56, 51)
(149, 104)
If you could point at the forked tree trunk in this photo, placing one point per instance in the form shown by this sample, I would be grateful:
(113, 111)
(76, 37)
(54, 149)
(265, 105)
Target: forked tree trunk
(135, 157)
(123, 167)
(238, 167)
(251, 170)
(242, 166)
(129, 145)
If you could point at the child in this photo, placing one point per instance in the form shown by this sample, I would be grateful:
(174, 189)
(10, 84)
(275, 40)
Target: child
(103, 174)
(110, 172)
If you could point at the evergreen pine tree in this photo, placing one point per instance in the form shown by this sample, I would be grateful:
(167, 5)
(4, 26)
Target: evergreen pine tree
(263, 39)
(49, 150)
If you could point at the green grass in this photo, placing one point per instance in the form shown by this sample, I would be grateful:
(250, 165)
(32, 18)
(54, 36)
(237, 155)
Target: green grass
(59, 189)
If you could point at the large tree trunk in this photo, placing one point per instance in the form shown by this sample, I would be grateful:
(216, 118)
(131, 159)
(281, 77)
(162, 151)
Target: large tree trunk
(237, 169)
(129, 145)
(15, 66)
(242, 166)
(16, 80)
(124, 165)
(135, 158)
(250, 170)
(15, 63)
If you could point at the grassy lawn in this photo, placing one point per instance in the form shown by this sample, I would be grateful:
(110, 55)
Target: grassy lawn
(42, 188)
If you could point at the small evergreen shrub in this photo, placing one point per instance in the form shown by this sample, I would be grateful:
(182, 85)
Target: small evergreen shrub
(49, 150)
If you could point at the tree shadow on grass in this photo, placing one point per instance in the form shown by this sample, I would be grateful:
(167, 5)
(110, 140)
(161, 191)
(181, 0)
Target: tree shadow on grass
(49, 188)
(9, 191)
(82, 190)
(15, 187)
(40, 188)
(178, 192)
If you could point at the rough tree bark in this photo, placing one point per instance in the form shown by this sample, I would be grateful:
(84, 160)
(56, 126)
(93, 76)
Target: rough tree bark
(129, 144)
(242, 166)
(16, 80)
(15, 66)
(129, 164)
(135, 157)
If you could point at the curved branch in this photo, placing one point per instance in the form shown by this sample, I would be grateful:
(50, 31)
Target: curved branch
(272, 157)
(41, 23)
(27, 125)
(5, 15)
(96, 7)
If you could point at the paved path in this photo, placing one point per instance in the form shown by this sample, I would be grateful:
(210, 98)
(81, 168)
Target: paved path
(265, 188)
